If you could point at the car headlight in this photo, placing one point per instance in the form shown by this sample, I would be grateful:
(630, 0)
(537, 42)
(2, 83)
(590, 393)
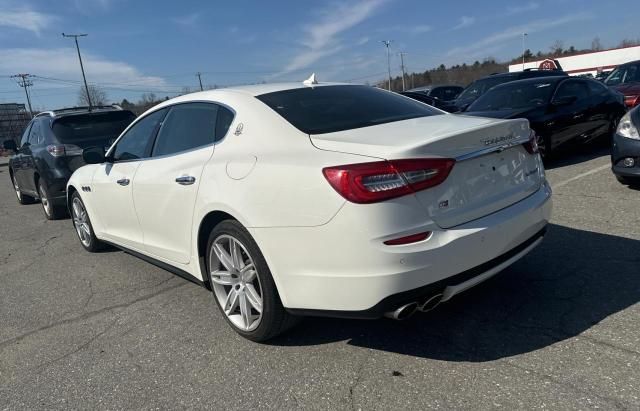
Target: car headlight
(626, 128)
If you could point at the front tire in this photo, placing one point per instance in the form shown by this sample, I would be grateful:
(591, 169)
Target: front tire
(242, 285)
(82, 224)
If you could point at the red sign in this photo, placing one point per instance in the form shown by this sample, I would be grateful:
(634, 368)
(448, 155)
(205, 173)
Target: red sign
(548, 65)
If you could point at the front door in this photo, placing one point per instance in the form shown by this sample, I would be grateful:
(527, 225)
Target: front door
(113, 182)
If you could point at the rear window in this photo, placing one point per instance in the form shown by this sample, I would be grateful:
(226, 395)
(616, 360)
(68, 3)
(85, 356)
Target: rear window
(515, 95)
(92, 126)
(327, 109)
(479, 87)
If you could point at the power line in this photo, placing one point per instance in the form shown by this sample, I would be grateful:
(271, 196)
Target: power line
(25, 83)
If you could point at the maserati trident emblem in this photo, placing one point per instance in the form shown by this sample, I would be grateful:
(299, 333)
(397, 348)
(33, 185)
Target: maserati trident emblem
(239, 129)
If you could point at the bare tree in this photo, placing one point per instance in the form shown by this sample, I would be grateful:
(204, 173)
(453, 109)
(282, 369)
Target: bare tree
(97, 94)
(596, 45)
(557, 47)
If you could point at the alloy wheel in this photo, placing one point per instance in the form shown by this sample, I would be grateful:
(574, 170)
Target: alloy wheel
(16, 187)
(81, 222)
(46, 204)
(235, 282)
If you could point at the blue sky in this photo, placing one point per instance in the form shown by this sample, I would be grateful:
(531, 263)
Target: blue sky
(157, 46)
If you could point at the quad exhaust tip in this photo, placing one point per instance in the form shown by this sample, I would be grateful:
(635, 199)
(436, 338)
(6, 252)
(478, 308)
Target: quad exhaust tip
(407, 310)
(403, 312)
(430, 303)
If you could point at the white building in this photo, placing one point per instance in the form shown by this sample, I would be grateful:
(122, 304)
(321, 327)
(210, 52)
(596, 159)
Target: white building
(586, 63)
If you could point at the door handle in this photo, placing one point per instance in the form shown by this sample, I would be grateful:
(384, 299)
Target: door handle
(577, 116)
(185, 180)
(123, 181)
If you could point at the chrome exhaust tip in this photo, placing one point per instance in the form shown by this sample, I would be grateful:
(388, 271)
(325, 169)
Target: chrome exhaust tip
(403, 312)
(430, 303)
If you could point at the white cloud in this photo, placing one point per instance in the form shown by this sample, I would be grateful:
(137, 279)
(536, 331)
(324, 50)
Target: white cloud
(362, 41)
(62, 63)
(522, 9)
(419, 29)
(187, 20)
(24, 18)
(515, 32)
(465, 21)
(321, 36)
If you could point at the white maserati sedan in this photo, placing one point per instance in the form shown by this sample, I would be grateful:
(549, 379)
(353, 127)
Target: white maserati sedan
(288, 200)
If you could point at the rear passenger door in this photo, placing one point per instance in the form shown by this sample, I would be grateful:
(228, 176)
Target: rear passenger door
(166, 185)
(572, 120)
(28, 162)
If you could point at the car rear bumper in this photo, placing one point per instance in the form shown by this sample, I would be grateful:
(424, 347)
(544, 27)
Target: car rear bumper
(624, 148)
(330, 270)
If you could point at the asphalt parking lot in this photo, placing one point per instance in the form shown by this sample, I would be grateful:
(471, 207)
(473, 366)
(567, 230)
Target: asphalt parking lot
(559, 329)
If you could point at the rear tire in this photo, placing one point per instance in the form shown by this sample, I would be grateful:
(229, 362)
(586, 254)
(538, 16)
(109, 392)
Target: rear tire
(52, 212)
(629, 181)
(22, 198)
(82, 224)
(242, 285)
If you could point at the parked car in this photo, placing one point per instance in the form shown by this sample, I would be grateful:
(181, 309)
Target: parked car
(561, 110)
(315, 199)
(625, 154)
(481, 86)
(626, 80)
(424, 98)
(51, 150)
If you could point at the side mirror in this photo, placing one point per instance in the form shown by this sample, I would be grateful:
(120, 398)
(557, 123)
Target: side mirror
(565, 101)
(93, 155)
(10, 145)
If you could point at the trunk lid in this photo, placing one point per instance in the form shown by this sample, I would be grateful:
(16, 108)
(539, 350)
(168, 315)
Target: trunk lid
(492, 171)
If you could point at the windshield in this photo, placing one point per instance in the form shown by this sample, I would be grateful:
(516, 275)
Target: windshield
(625, 74)
(511, 96)
(327, 109)
(92, 126)
(479, 87)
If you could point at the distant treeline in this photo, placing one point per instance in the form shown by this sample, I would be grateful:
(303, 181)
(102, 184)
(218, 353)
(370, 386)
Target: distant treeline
(463, 74)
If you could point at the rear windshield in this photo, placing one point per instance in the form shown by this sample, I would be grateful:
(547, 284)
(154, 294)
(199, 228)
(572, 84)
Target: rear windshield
(515, 95)
(479, 87)
(327, 109)
(92, 126)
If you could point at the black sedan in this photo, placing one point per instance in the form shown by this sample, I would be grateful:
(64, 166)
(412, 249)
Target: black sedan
(561, 110)
(625, 154)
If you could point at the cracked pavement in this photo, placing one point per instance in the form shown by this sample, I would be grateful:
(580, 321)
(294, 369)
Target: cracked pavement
(559, 329)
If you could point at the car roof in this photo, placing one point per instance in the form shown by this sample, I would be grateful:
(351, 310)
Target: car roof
(630, 63)
(72, 111)
(550, 79)
(432, 86)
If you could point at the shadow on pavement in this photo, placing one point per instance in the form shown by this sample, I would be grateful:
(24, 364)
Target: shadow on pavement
(578, 154)
(572, 281)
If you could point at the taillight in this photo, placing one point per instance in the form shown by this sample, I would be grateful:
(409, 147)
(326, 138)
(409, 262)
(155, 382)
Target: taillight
(383, 180)
(532, 145)
(631, 101)
(61, 150)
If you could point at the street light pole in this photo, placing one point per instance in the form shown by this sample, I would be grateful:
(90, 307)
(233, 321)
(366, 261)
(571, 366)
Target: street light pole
(198, 74)
(387, 43)
(523, 36)
(86, 87)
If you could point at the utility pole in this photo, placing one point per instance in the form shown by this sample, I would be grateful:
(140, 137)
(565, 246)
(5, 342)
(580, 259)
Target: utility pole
(523, 36)
(25, 83)
(402, 67)
(200, 80)
(387, 43)
(86, 87)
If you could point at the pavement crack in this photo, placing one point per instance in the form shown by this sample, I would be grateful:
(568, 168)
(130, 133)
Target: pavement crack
(356, 382)
(10, 341)
(77, 349)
